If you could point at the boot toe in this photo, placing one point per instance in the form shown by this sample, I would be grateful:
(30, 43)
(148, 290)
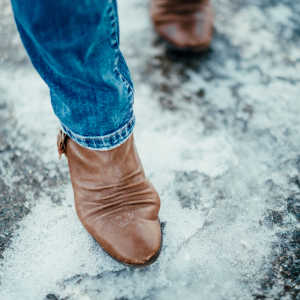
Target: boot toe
(135, 243)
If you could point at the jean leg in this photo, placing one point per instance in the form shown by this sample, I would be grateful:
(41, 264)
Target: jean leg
(74, 46)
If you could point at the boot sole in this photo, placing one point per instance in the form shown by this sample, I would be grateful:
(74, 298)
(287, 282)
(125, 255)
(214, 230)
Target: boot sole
(186, 50)
(138, 266)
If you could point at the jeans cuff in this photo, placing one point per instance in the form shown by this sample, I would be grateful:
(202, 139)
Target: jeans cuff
(103, 143)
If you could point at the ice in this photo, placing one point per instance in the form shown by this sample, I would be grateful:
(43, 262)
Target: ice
(218, 136)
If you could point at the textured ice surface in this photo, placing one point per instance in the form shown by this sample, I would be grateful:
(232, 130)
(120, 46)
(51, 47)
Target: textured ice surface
(219, 137)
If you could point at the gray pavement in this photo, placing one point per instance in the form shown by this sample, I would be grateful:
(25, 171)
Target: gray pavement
(219, 137)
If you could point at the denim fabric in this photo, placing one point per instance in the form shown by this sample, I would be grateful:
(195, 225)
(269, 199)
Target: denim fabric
(74, 45)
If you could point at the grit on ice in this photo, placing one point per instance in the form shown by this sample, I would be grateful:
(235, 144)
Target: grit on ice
(219, 137)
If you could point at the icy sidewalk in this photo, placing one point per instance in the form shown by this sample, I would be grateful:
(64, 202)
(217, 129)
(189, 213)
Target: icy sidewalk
(219, 137)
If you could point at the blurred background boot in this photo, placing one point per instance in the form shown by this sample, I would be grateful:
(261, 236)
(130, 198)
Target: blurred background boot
(184, 24)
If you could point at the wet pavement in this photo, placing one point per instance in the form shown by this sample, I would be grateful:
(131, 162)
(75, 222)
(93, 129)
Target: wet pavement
(219, 137)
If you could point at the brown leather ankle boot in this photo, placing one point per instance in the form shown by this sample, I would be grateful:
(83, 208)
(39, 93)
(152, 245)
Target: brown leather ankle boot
(183, 24)
(114, 201)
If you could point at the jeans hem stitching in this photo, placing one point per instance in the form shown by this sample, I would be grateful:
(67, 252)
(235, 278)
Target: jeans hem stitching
(100, 137)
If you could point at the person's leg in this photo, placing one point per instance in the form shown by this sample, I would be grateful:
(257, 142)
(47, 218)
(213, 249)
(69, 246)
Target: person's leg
(74, 45)
(184, 24)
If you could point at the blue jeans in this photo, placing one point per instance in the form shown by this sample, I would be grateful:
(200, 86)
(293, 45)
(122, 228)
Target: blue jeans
(74, 46)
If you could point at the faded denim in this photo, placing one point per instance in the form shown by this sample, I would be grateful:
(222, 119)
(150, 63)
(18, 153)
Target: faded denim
(74, 45)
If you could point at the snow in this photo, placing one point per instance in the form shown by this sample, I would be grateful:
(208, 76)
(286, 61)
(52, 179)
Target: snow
(210, 158)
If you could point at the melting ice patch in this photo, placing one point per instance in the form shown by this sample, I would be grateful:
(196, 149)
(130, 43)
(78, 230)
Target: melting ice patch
(52, 253)
(217, 242)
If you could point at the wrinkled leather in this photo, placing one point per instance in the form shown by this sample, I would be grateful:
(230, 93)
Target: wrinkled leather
(114, 200)
(185, 24)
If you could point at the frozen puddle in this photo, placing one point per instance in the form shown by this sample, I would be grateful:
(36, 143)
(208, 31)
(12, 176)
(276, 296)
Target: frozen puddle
(219, 137)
